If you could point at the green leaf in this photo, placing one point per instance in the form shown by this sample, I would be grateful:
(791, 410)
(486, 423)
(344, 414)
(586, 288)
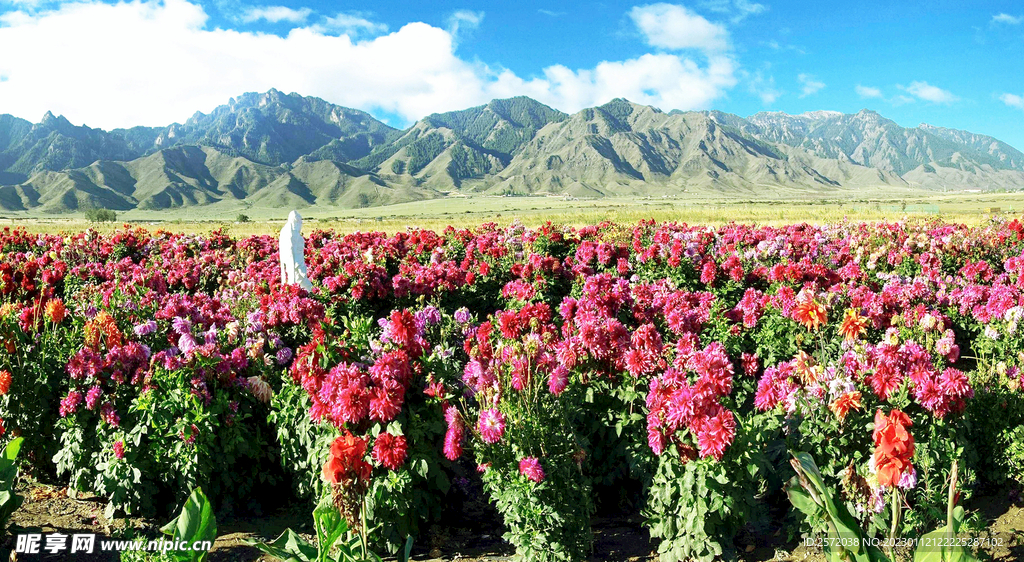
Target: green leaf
(289, 547)
(195, 523)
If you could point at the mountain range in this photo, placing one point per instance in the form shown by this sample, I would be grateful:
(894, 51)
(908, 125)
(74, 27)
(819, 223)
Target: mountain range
(281, 150)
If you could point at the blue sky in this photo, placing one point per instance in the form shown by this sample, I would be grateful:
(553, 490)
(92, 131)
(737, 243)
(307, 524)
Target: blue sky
(155, 62)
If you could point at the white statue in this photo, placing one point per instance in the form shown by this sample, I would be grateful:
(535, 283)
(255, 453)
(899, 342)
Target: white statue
(291, 248)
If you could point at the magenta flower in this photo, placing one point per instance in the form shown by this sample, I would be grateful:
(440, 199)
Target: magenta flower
(530, 468)
(491, 425)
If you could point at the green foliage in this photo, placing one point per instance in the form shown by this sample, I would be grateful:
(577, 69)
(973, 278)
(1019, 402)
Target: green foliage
(196, 523)
(695, 507)
(9, 499)
(39, 381)
(335, 542)
(101, 215)
(304, 443)
(845, 541)
(547, 520)
(242, 218)
(423, 150)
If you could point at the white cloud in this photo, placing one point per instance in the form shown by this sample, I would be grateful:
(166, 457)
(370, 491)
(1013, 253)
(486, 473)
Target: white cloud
(1012, 100)
(868, 92)
(662, 80)
(927, 92)
(762, 85)
(464, 20)
(808, 85)
(352, 24)
(276, 14)
(186, 65)
(739, 9)
(669, 26)
(551, 13)
(1007, 18)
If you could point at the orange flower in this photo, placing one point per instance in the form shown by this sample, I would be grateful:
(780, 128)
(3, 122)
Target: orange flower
(806, 367)
(110, 330)
(853, 324)
(92, 335)
(894, 446)
(842, 405)
(810, 313)
(5, 381)
(56, 311)
(103, 325)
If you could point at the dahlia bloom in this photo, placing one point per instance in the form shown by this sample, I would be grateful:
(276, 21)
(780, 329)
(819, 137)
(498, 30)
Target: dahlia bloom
(846, 402)
(531, 469)
(810, 314)
(491, 425)
(853, 324)
(389, 450)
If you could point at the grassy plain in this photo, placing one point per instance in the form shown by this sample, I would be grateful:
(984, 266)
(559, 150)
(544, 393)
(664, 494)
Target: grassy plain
(964, 207)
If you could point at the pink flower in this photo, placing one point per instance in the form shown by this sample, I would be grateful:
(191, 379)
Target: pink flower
(530, 468)
(716, 433)
(456, 432)
(119, 449)
(491, 425)
(558, 380)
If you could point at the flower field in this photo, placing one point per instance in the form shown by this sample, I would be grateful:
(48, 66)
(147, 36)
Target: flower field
(679, 372)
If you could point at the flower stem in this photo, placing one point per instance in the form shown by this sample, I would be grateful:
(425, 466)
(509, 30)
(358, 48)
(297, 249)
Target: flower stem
(895, 520)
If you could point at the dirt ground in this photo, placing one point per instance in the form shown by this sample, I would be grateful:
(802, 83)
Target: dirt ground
(475, 537)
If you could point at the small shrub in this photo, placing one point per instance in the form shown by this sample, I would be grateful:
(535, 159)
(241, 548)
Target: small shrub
(101, 215)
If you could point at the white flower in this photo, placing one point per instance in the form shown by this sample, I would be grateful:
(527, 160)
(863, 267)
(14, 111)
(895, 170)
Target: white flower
(260, 389)
(991, 333)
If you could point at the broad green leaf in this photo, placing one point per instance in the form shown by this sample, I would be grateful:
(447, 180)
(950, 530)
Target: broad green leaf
(289, 547)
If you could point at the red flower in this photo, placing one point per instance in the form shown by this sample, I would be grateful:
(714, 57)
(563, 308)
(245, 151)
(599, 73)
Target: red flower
(346, 461)
(894, 446)
(5, 381)
(389, 450)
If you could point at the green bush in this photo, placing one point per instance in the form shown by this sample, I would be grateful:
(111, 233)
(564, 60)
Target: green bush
(100, 215)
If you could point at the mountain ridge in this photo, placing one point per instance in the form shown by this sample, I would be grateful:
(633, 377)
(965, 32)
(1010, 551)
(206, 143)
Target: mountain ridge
(287, 150)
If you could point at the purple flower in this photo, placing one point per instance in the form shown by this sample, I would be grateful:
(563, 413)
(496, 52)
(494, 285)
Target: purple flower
(187, 344)
(145, 328)
(181, 326)
(284, 355)
(210, 336)
(462, 315)
(908, 480)
(430, 315)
